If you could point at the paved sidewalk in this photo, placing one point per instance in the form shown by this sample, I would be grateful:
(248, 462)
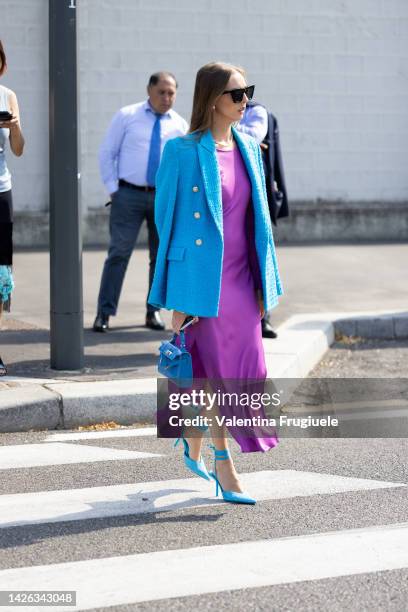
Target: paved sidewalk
(119, 381)
(345, 278)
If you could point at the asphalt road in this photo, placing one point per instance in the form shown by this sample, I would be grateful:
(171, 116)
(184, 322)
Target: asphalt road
(121, 521)
(323, 499)
(364, 358)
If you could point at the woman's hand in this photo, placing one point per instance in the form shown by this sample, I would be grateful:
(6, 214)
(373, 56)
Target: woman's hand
(260, 302)
(16, 135)
(177, 320)
(11, 124)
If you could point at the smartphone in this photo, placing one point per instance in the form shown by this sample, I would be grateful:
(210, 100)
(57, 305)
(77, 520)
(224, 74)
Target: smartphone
(5, 116)
(187, 321)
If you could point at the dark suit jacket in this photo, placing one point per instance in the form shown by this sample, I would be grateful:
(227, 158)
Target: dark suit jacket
(273, 166)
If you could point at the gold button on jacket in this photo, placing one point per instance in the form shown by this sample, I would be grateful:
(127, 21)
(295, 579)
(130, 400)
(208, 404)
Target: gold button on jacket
(199, 242)
(195, 188)
(197, 215)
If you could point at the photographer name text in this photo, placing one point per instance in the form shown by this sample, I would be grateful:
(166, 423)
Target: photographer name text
(255, 421)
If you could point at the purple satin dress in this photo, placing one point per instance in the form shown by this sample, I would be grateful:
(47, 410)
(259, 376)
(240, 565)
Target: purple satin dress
(230, 346)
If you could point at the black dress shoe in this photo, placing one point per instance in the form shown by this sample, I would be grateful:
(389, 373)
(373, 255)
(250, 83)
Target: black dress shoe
(101, 323)
(267, 331)
(154, 321)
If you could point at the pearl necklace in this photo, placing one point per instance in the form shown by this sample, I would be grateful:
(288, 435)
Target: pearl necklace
(228, 145)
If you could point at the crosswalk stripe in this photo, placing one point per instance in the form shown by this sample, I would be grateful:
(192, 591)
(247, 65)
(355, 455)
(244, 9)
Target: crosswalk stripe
(146, 497)
(198, 570)
(109, 433)
(37, 455)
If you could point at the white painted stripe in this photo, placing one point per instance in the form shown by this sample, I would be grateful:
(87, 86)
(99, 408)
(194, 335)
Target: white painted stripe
(211, 569)
(109, 433)
(37, 455)
(145, 497)
(30, 381)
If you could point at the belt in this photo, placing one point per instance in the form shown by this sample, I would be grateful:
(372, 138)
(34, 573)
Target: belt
(123, 183)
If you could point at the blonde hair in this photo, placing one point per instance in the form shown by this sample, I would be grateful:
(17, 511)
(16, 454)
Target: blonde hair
(211, 81)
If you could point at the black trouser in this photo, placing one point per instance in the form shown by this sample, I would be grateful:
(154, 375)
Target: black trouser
(129, 208)
(6, 228)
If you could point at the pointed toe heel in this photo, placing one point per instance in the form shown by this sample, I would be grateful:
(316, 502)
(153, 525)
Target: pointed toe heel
(198, 467)
(233, 497)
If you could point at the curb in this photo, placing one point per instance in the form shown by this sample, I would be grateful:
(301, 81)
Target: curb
(123, 401)
(302, 342)
(392, 326)
(25, 408)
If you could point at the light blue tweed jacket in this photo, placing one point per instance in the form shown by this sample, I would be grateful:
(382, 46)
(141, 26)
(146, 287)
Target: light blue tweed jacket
(189, 220)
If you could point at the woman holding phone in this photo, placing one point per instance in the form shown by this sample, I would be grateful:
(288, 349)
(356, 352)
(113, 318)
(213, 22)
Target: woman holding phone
(216, 259)
(10, 131)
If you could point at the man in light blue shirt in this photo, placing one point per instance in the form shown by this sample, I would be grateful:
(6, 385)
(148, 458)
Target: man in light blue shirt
(129, 158)
(254, 122)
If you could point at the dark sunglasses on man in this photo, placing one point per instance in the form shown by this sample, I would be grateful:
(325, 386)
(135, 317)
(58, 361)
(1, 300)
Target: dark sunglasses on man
(237, 95)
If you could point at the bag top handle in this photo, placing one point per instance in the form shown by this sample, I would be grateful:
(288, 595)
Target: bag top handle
(182, 339)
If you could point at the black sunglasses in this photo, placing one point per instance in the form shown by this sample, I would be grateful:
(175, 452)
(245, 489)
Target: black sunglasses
(237, 95)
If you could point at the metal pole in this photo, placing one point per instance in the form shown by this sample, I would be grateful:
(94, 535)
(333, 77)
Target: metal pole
(66, 316)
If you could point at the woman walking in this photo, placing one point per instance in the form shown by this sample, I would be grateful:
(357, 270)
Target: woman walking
(10, 130)
(216, 258)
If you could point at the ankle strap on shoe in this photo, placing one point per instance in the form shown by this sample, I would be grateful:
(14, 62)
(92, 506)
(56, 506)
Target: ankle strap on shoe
(220, 454)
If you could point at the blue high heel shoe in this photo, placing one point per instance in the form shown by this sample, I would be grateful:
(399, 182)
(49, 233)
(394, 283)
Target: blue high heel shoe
(229, 496)
(198, 467)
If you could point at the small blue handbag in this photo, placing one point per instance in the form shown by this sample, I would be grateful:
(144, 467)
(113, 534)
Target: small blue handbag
(175, 362)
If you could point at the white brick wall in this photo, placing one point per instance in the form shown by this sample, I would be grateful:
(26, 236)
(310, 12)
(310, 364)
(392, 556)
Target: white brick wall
(334, 72)
(24, 32)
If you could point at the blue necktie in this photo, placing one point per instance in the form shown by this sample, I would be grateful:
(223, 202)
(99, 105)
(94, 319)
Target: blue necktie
(154, 152)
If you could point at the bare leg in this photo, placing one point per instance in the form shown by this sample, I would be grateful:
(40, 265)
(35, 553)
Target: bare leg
(226, 472)
(194, 437)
